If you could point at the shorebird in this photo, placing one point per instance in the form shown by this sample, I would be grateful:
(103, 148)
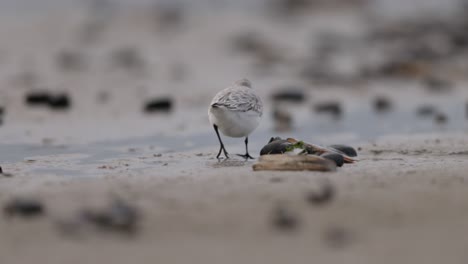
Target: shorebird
(236, 111)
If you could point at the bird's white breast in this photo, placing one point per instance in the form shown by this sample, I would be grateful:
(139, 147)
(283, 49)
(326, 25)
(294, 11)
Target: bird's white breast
(234, 123)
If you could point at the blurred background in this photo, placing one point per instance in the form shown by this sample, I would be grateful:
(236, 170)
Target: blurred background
(112, 74)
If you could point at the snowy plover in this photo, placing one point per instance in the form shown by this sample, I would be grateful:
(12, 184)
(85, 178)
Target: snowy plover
(236, 111)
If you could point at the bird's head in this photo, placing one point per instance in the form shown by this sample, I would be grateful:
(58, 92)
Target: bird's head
(244, 82)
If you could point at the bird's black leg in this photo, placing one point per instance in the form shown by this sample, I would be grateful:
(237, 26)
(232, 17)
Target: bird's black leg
(221, 147)
(246, 155)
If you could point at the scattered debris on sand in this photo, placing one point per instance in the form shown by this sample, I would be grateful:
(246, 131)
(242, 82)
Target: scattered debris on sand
(437, 84)
(333, 108)
(24, 207)
(294, 155)
(382, 104)
(284, 219)
(335, 157)
(323, 196)
(289, 94)
(426, 110)
(59, 101)
(440, 118)
(158, 105)
(119, 217)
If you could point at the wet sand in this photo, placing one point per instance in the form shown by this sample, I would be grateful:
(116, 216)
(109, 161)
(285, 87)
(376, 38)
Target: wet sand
(404, 201)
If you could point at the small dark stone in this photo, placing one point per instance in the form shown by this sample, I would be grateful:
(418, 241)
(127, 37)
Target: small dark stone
(347, 150)
(426, 110)
(382, 104)
(169, 17)
(276, 146)
(435, 84)
(440, 118)
(43, 98)
(459, 40)
(289, 7)
(284, 220)
(37, 98)
(248, 42)
(158, 105)
(24, 207)
(331, 107)
(322, 197)
(274, 139)
(335, 157)
(118, 217)
(59, 102)
(289, 94)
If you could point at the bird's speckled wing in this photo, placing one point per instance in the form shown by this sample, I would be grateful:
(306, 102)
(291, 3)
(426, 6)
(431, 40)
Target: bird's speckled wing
(238, 98)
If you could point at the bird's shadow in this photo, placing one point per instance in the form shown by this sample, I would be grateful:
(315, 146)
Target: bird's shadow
(225, 163)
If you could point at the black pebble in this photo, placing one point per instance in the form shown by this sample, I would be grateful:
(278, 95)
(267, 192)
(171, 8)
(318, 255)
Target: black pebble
(347, 150)
(289, 94)
(37, 98)
(276, 146)
(158, 105)
(24, 207)
(248, 42)
(59, 102)
(322, 197)
(435, 84)
(54, 101)
(169, 17)
(440, 118)
(426, 110)
(285, 220)
(118, 217)
(382, 104)
(333, 108)
(335, 157)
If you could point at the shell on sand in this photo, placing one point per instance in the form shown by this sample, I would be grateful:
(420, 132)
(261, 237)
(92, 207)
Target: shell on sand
(281, 162)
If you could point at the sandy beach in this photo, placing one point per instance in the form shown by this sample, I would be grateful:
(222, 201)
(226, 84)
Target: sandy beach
(403, 201)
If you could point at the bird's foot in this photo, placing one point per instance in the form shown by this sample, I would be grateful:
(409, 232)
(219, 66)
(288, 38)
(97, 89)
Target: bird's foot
(226, 156)
(246, 156)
